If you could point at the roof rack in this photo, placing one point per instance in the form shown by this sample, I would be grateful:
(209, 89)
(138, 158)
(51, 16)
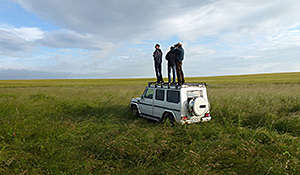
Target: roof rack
(176, 85)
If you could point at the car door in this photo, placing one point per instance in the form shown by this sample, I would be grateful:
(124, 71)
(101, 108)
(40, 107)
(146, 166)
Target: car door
(159, 103)
(146, 103)
(173, 101)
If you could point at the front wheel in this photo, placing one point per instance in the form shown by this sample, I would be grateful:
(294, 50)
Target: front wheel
(168, 120)
(135, 111)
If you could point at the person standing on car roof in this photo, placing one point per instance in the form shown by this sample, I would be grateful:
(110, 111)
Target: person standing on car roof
(171, 64)
(179, 52)
(157, 55)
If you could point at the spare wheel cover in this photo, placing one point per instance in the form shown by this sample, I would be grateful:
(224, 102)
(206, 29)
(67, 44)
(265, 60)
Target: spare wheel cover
(199, 106)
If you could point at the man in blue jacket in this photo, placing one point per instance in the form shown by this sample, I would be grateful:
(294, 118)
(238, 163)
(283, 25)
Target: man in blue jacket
(157, 55)
(179, 52)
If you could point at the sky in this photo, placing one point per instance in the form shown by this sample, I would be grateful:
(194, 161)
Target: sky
(59, 39)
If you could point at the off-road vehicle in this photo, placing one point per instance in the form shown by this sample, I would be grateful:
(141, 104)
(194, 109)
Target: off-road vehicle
(187, 103)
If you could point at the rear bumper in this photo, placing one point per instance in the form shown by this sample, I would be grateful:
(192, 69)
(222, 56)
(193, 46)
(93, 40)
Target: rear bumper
(195, 120)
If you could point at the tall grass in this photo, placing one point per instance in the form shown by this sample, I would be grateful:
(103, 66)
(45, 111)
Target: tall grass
(86, 127)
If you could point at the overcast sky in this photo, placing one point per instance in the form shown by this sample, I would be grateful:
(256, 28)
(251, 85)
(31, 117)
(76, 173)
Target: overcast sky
(115, 39)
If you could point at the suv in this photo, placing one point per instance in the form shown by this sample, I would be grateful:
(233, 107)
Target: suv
(187, 103)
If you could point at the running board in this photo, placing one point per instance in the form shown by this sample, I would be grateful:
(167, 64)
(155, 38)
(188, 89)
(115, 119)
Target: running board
(151, 118)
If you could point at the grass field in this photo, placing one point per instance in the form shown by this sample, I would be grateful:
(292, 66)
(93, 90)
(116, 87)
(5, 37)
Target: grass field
(86, 127)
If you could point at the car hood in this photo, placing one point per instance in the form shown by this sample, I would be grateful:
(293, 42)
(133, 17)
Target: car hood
(136, 99)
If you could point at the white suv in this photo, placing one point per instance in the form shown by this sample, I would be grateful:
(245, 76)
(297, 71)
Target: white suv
(186, 104)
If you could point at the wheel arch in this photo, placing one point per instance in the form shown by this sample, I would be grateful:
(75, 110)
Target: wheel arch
(136, 105)
(168, 112)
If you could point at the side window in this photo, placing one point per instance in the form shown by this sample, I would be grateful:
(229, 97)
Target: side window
(149, 93)
(160, 95)
(173, 96)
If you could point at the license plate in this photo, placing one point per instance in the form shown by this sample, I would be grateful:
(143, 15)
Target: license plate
(195, 120)
(205, 119)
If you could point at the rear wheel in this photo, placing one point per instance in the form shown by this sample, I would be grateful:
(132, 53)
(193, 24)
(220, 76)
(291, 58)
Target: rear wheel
(168, 120)
(135, 111)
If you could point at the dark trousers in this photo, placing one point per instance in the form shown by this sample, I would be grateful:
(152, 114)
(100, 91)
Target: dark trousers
(180, 76)
(158, 72)
(173, 69)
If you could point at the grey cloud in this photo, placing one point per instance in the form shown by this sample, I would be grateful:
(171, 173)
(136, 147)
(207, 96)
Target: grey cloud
(70, 39)
(135, 20)
(113, 20)
(12, 45)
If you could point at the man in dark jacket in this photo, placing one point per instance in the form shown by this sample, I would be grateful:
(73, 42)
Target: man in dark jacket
(157, 55)
(171, 64)
(179, 52)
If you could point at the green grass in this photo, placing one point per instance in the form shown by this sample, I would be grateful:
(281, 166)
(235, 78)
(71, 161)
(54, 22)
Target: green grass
(86, 127)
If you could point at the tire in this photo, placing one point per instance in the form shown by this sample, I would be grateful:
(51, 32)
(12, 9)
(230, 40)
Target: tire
(135, 111)
(168, 120)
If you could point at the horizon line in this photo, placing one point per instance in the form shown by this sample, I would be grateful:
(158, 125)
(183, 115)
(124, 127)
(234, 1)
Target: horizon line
(123, 78)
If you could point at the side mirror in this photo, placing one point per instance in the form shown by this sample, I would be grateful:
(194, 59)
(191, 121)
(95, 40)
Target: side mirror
(142, 96)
